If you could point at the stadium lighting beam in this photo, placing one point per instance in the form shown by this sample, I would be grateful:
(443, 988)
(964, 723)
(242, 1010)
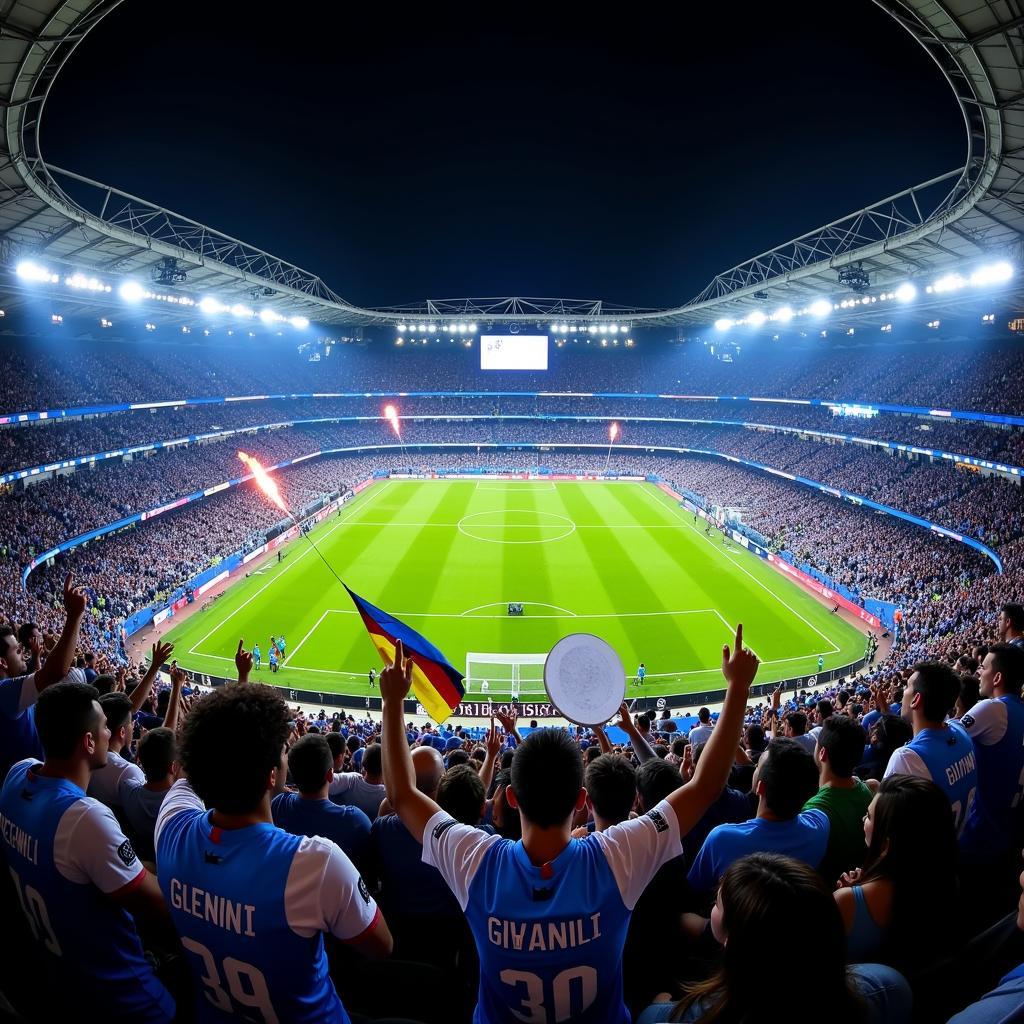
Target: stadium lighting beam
(820, 307)
(29, 270)
(996, 273)
(299, 322)
(906, 292)
(723, 324)
(211, 305)
(756, 319)
(784, 314)
(132, 291)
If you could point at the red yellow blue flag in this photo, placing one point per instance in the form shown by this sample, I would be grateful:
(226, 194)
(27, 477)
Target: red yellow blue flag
(437, 684)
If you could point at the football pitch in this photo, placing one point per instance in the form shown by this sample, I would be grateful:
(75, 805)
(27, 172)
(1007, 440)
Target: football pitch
(621, 560)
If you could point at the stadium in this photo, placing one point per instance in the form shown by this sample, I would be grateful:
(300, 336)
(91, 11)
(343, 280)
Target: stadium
(283, 732)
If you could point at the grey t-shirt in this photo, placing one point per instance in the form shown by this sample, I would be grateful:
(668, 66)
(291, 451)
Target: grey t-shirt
(352, 790)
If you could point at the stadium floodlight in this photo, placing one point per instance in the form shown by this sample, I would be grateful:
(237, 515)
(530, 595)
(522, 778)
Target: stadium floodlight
(592, 328)
(462, 328)
(29, 270)
(242, 311)
(614, 329)
(948, 283)
(756, 319)
(554, 328)
(995, 273)
(624, 328)
(132, 291)
(268, 316)
(784, 314)
(299, 322)
(820, 307)
(723, 324)
(401, 328)
(471, 329)
(422, 328)
(211, 305)
(564, 328)
(432, 329)
(906, 292)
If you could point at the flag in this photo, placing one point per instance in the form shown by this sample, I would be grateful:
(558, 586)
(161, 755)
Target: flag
(437, 685)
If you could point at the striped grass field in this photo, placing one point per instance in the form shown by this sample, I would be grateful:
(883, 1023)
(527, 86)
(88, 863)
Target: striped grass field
(621, 560)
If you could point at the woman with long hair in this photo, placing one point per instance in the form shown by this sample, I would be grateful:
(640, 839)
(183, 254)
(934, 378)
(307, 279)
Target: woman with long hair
(899, 907)
(771, 907)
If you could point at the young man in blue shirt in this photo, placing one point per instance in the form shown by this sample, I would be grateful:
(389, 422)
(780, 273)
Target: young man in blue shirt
(785, 780)
(549, 914)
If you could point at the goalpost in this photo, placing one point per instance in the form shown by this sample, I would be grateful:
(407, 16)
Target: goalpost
(511, 674)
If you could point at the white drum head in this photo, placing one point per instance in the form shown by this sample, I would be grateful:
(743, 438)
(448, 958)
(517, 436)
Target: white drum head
(585, 679)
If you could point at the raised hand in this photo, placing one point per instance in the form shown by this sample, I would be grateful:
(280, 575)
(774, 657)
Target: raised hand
(494, 740)
(243, 663)
(740, 666)
(158, 655)
(625, 721)
(74, 598)
(508, 718)
(396, 680)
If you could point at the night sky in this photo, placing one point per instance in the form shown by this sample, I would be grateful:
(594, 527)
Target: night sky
(506, 151)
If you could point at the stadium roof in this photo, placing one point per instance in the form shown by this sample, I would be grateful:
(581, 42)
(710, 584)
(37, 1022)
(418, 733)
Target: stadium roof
(969, 215)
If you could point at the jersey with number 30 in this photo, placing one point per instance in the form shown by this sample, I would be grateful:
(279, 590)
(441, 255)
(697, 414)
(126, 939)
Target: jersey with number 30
(67, 855)
(550, 938)
(251, 906)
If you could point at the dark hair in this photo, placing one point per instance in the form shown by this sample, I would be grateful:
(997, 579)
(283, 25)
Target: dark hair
(704, 715)
(655, 780)
(611, 785)
(914, 846)
(64, 714)
(797, 722)
(970, 692)
(939, 687)
(843, 739)
(755, 737)
(1015, 613)
(506, 759)
(104, 683)
(769, 897)
(889, 733)
(309, 761)
(790, 777)
(590, 755)
(371, 763)
(842, 698)
(157, 751)
(337, 744)
(25, 631)
(966, 663)
(7, 633)
(117, 708)
(824, 708)
(461, 793)
(353, 743)
(679, 747)
(547, 775)
(231, 741)
(456, 757)
(1008, 659)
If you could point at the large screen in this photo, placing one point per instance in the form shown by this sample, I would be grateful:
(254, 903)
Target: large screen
(514, 352)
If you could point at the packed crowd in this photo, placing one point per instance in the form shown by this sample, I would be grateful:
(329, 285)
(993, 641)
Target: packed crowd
(210, 855)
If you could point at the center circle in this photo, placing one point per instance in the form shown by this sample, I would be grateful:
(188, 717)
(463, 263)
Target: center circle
(502, 526)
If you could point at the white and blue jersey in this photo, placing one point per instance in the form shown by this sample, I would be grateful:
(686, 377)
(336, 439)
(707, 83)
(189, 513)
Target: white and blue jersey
(641, 672)
(251, 906)
(996, 726)
(550, 938)
(68, 856)
(946, 756)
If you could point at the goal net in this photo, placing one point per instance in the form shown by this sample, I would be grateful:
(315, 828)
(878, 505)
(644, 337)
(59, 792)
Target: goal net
(488, 675)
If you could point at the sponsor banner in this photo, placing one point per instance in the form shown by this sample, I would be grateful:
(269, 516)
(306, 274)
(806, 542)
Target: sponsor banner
(254, 554)
(284, 537)
(484, 709)
(160, 616)
(795, 574)
(164, 508)
(179, 604)
(363, 485)
(212, 583)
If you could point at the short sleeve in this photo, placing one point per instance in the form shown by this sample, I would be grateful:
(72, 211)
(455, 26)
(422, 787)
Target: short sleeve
(324, 893)
(986, 722)
(636, 849)
(456, 851)
(703, 874)
(905, 761)
(17, 695)
(342, 782)
(180, 797)
(89, 847)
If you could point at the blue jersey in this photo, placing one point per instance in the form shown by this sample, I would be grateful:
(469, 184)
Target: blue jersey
(251, 906)
(641, 672)
(996, 727)
(18, 736)
(550, 938)
(67, 856)
(349, 827)
(946, 756)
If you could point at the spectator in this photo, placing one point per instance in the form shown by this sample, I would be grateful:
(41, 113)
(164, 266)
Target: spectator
(772, 895)
(461, 793)
(785, 780)
(888, 734)
(1010, 624)
(843, 798)
(611, 785)
(158, 756)
(363, 789)
(940, 750)
(794, 727)
(105, 782)
(534, 891)
(252, 879)
(901, 906)
(79, 881)
(309, 812)
(701, 733)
